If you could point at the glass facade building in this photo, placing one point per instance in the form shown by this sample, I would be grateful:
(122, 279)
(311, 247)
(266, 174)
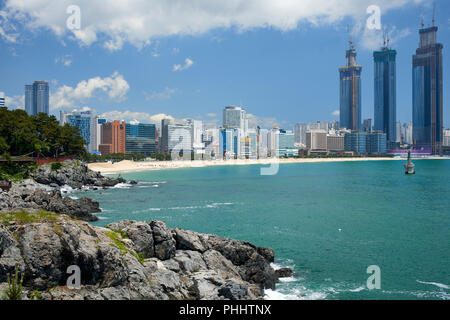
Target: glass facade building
(350, 92)
(427, 92)
(376, 142)
(140, 138)
(37, 98)
(385, 99)
(356, 142)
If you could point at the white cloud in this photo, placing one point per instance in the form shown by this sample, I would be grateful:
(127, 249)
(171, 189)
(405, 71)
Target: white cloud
(187, 64)
(115, 86)
(211, 115)
(65, 60)
(162, 95)
(373, 39)
(336, 113)
(142, 117)
(138, 22)
(15, 102)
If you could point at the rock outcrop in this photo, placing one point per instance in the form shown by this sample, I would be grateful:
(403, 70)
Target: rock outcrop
(43, 191)
(132, 260)
(22, 198)
(75, 174)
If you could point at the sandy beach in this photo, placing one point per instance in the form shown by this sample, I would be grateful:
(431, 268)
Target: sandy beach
(133, 166)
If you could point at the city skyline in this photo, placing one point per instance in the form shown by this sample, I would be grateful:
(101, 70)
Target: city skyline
(115, 93)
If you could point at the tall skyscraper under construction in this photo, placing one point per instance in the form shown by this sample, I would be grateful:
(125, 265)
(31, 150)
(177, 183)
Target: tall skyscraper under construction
(427, 92)
(350, 92)
(385, 99)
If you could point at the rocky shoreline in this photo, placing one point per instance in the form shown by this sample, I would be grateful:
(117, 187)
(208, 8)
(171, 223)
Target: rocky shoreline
(124, 260)
(46, 188)
(131, 260)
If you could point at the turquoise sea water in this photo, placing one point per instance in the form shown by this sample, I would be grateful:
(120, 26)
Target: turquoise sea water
(327, 221)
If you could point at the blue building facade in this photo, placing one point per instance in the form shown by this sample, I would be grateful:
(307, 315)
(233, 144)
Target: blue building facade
(427, 92)
(385, 99)
(140, 138)
(356, 142)
(37, 98)
(376, 142)
(82, 121)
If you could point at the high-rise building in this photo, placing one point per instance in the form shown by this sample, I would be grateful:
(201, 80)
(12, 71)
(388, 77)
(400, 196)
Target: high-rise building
(427, 91)
(235, 117)
(285, 142)
(376, 142)
(356, 142)
(385, 97)
(2, 99)
(446, 141)
(198, 147)
(164, 147)
(367, 125)
(179, 139)
(350, 92)
(316, 140)
(335, 142)
(88, 124)
(140, 138)
(37, 98)
(113, 137)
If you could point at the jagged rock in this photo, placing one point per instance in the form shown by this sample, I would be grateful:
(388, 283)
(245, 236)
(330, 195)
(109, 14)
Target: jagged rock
(73, 173)
(188, 240)
(163, 241)
(140, 233)
(111, 269)
(9, 255)
(233, 291)
(284, 272)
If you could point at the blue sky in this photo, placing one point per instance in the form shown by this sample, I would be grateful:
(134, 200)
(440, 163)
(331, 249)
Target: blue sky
(281, 64)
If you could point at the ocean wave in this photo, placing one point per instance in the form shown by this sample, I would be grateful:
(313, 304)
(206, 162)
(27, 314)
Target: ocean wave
(152, 182)
(294, 294)
(66, 189)
(436, 284)
(122, 186)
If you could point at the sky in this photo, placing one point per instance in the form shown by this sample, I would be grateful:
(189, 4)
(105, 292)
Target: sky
(150, 59)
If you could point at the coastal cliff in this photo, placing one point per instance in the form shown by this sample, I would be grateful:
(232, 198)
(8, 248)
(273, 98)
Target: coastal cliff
(129, 260)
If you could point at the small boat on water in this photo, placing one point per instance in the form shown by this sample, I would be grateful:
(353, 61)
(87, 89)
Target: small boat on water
(409, 166)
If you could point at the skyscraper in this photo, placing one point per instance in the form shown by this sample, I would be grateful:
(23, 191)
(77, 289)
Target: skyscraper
(113, 137)
(37, 98)
(427, 92)
(385, 99)
(350, 92)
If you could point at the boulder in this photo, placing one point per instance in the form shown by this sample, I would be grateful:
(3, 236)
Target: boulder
(164, 243)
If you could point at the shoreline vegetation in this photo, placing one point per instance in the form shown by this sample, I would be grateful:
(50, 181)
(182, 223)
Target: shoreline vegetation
(125, 166)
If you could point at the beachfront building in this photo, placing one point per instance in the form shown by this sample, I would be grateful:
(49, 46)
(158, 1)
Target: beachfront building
(229, 143)
(446, 141)
(179, 140)
(285, 142)
(140, 138)
(300, 134)
(88, 124)
(428, 92)
(356, 142)
(350, 92)
(376, 142)
(316, 140)
(367, 125)
(198, 147)
(211, 140)
(113, 137)
(263, 146)
(385, 99)
(164, 146)
(335, 142)
(37, 98)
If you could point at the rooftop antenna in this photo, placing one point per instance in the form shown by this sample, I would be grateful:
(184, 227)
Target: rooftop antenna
(350, 40)
(434, 11)
(422, 24)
